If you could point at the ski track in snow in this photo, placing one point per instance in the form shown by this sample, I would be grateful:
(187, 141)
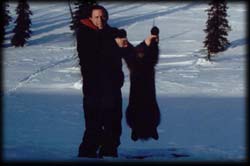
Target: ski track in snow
(33, 75)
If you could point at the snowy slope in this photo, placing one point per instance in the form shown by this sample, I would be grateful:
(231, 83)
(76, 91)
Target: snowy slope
(202, 104)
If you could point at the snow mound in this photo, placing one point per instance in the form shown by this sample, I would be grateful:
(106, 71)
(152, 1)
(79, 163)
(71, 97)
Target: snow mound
(78, 85)
(203, 62)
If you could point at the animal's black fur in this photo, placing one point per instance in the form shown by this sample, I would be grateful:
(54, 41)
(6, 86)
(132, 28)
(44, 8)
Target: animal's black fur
(142, 113)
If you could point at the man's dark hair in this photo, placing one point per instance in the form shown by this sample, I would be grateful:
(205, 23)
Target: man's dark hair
(96, 7)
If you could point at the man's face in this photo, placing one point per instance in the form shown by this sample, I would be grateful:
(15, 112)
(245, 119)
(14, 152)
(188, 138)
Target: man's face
(99, 18)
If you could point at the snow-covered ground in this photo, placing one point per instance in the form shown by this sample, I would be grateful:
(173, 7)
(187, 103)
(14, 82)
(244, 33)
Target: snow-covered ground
(202, 103)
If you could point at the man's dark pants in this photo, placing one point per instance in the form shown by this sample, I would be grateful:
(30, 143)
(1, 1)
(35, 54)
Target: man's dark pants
(102, 105)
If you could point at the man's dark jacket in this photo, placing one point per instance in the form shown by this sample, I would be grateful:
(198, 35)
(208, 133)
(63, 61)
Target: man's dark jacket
(99, 57)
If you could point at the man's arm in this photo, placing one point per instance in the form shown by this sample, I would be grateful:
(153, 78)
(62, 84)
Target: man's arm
(86, 47)
(146, 51)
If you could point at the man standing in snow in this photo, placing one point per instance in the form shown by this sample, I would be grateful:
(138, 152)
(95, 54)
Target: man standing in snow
(100, 49)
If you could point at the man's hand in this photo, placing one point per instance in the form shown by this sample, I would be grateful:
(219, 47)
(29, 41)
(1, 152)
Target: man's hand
(122, 42)
(151, 38)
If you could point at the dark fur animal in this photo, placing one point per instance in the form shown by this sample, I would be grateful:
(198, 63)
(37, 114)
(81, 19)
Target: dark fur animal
(142, 113)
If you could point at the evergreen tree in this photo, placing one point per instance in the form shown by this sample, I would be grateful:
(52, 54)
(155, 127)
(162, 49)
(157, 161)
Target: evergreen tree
(1, 41)
(1, 26)
(81, 12)
(217, 28)
(22, 29)
(6, 17)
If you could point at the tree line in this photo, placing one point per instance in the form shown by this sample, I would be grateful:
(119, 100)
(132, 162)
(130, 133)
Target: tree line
(217, 26)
